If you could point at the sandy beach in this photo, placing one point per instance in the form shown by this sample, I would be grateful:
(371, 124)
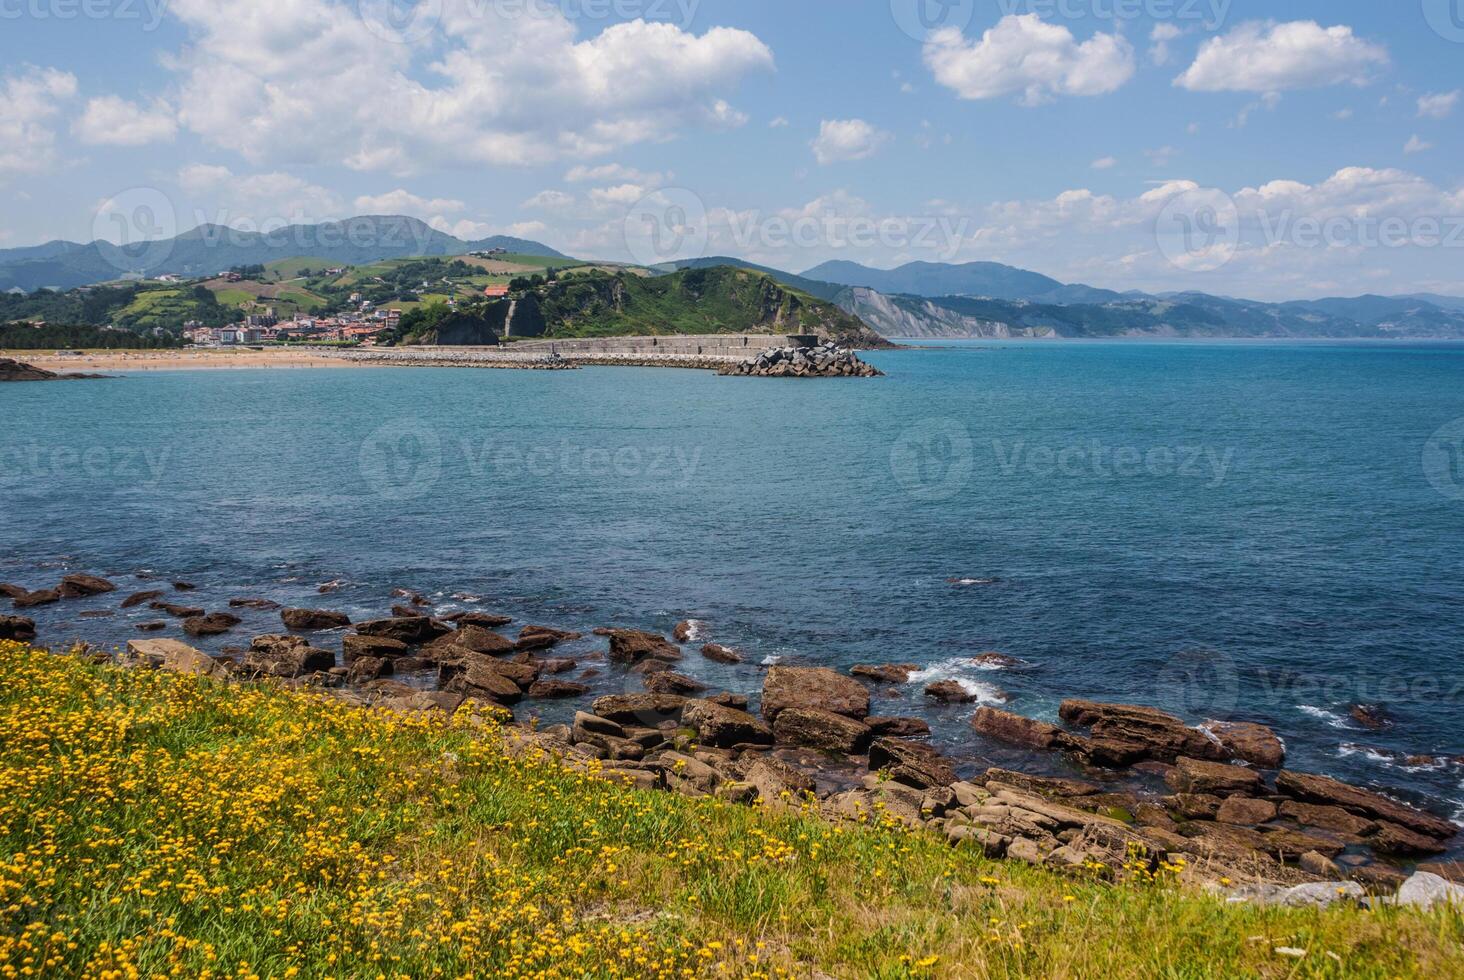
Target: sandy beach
(101, 362)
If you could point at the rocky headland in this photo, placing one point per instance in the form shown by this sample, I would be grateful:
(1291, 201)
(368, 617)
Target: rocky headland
(13, 370)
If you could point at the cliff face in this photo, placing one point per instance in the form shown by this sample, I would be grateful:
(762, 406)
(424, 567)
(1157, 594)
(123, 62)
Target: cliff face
(911, 316)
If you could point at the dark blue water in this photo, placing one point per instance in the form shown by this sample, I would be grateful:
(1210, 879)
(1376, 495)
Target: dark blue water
(1264, 532)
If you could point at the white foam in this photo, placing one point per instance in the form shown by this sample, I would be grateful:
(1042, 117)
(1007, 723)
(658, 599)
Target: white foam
(771, 660)
(693, 630)
(1330, 717)
(958, 669)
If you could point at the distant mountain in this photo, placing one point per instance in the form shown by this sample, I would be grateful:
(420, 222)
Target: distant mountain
(813, 287)
(212, 248)
(989, 279)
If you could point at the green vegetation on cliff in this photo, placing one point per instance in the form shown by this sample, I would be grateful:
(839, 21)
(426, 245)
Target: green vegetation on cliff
(156, 824)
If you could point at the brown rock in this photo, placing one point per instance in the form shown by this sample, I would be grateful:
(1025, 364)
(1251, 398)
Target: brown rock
(633, 646)
(816, 688)
(408, 629)
(184, 586)
(821, 730)
(728, 700)
(79, 586)
(41, 597)
(556, 665)
(155, 627)
(722, 727)
(1378, 879)
(481, 678)
(313, 619)
(721, 654)
(474, 639)
(1370, 716)
(17, 628)
(1013, 729)
(1250, 742)
(1193, 806)
(1332, 818)
(1391, 839)
(1162, 735)
(1043, 785)
(12, 591)
(285, 656)
(1112, 753)
(1312, 788)
(670, 682)
(1289, 845)
(354, 646)
(649, 710)
(995, 661)
(898, 727)
(1218, 778)
(684, 631)
(949, 692)
(365, 669)
(488, 621)
(910, 763)
(253, 604)
(138, 598)
(1320, 865)
(177, 657)
(1246, 812)
(546, 690)
(210, 625)
(884, 673)
(177, 611)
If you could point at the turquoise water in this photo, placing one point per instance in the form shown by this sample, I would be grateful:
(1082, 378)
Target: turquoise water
(1258, 531)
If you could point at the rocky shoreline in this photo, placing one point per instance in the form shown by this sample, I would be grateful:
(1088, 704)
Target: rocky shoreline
(13, 370)
(827, 361)
(1233, 818)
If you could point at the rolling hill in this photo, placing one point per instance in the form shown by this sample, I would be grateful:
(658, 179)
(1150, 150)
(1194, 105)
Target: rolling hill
(989, 279)
(208, 249)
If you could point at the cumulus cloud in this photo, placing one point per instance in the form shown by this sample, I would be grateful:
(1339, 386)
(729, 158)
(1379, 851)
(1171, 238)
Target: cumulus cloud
(1270, 57)
(1416, 144)
(219, 196)
(1161, 37)
(1026, 56)
(615, 172)
(847, 139)
(1439, 105)
(311, 81)
(1105, 163)
(29, 100)
(402, 201)
(113, 121)
(550, 200)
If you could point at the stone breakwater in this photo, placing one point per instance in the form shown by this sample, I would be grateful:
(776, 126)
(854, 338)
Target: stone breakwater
(1229, 814)
(826, 361)
(486, 357)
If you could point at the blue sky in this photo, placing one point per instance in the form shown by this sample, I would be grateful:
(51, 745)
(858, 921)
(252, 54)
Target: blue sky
(1255, 149)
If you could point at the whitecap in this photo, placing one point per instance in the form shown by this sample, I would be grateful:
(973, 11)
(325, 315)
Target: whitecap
(1330, 717)
(772, 660)
(958, 669)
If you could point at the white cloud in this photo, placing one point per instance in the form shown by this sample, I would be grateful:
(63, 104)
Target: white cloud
(1438, 105)
(1023, 55)
(218, 196)
(1271, 57)
(402, 201)
(113, 121)
(781, 122)
(1342, 115)
(621, 195)
(614, 171)
(1161, 156)
(309, 81)
(28, 102)
(1416, 144)
(550, 200)
(847, 139)
(1162, 36)
(1104, 163)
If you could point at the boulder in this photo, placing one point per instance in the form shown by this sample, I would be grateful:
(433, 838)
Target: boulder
(910, 763)
(587, 724)
(898, 727)
(177, 611)
(177, 657)
(1013, 729)
(543, 637)
(1042, 785)
(285, 656)
(949, 692)
(722, 727)
(639, 709)
(313, 619)
(1396, 841)
(670, 682)
(78, 586)
(138, 598)
(17, 628)
(211, 624)
(721, 654)
(816, 688)
(821, 730)
(1332, 818)
(365, 669)
(772, 779)
(353, 646)
(262, 604)
(685, 631)
(1290, 845)
(1424, 891)
(184, 586)
(884, 673)
(1193, 806)
(489, 621)
(633, 646)
(728, 700)
(480, 678)
(1373, 717)
(1320, 865)
(548, 690)
(995, 661)
(1217, 778)
(1246, 812)
(408, 629)
(1249, 742)
(1161, 735)
(154, 627)
(520, 674)
(1311, 788)
(41, 597)
(10, 590)
(474, 639)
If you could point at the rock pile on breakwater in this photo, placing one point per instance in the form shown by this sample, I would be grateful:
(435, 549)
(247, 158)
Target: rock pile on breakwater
(825, 361)
(469, 358)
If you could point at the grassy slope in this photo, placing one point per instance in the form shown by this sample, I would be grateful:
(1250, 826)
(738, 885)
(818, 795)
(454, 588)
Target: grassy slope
(153, 822)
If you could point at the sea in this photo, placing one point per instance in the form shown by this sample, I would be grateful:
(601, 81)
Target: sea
(1257, 531)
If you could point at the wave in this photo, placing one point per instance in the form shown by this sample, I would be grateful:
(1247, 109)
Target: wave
(1330, 717)
(960, 669)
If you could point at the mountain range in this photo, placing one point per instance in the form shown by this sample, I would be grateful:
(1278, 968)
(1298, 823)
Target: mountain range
(209, 249)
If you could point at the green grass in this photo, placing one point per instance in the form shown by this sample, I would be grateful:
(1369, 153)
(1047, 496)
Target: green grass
(152, 823)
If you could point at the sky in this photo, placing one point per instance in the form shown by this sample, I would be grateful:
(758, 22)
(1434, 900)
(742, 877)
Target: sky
(1263, 150)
